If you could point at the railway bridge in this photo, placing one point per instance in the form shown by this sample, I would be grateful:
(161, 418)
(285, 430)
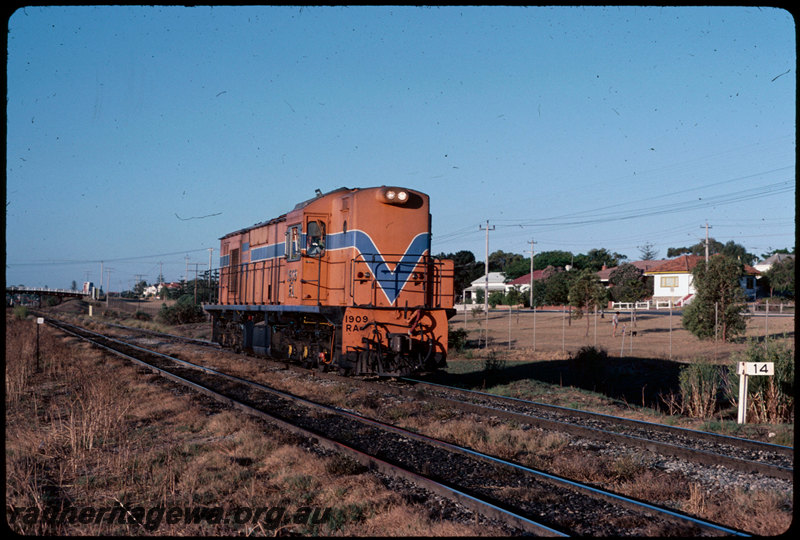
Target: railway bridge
(14, 293)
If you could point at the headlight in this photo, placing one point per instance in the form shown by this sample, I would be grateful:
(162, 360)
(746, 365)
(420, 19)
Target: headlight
(394, 196)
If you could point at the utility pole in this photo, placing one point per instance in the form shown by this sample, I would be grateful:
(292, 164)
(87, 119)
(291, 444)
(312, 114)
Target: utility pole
(138, 278)
(486, 268)
(531, 242)
(195, 280)
(707, 227)
(210, 254)
(108, 285)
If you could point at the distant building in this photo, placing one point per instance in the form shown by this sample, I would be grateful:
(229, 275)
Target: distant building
(497, 282)
(766, 264)
(152, 290)
(674, 280)
(605, 273)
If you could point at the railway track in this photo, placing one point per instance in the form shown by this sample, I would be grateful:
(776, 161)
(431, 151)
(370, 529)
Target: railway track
(701, 447)
(528, 499)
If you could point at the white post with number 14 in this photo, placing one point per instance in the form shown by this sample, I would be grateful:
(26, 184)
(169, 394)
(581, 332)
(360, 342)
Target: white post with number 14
(744, 370)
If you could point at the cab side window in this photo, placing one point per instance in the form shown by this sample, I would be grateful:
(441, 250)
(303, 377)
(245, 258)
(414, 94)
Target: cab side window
(315, 238)
(292, 249)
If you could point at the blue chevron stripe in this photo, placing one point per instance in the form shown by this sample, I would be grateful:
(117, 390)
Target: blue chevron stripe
(391, 282)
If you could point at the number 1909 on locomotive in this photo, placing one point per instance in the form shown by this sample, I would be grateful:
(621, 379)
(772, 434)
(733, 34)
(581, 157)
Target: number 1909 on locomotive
(354, 323)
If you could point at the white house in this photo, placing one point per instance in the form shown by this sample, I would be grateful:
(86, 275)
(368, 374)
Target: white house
(497, 282)
(152, 290)
(766, 264)
(673, 280)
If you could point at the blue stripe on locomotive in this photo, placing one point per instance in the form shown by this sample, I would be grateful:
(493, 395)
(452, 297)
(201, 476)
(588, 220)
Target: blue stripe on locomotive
(391, 282)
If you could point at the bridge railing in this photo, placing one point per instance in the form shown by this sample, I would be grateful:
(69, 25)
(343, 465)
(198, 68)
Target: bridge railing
(43, 290)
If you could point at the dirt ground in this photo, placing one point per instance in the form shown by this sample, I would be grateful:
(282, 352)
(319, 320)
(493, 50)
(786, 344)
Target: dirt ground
(550, 334)
(641, 368)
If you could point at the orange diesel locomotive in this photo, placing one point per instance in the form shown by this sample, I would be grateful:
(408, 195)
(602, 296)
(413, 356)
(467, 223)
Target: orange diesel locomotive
(346, 280)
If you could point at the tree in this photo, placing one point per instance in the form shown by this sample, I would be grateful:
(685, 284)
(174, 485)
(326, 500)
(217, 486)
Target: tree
(557, 288)
(781, 277)
(647, 252)
(587, 293)
(517, 268)
(719, 300)
(500, 260)
(678, 251)
(496, 297)
(539, 289)
(139, 288)
(466, 269)
(772, 252)
(595, 259)
(628, 285)
(515, 297)
(731, 249)
(737, 251)
(552, 258)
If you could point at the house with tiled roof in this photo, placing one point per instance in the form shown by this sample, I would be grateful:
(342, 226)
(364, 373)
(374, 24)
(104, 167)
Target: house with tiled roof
(604, 274)
(523, 283)
(674, 281)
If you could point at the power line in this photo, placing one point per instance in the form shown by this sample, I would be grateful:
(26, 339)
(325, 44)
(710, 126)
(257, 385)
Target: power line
(120, 259)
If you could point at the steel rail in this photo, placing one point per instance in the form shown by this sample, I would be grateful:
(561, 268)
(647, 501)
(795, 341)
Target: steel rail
(468, 500)
(712, 437)
(675, 450)
(705, 456)
(423, 438)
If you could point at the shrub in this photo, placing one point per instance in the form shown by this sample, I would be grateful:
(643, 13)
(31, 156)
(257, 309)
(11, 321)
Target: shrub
(493, 363)
(588, 365)
(20, 312)
(184, 311)
(457, 339)
(142, 316)
(699, 385)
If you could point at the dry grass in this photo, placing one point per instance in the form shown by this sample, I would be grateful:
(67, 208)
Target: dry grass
(89, 431)
(204, 456)
(658, 336)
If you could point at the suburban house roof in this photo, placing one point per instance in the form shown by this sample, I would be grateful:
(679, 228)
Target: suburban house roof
(685, 264)
(526, 279)
(644, 266)
(777, 258)
(495, 278)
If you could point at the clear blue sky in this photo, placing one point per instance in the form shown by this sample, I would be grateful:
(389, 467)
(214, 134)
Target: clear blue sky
(140, 135)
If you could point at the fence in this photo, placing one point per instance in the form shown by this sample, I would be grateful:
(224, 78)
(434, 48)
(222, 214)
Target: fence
(651, 334)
